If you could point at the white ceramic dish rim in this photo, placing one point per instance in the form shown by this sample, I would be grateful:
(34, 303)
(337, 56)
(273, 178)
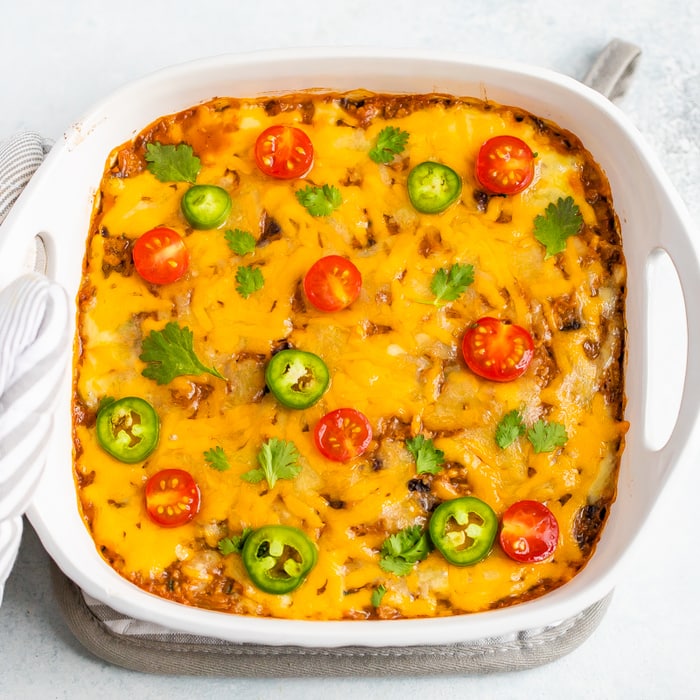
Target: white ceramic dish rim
(57, 205)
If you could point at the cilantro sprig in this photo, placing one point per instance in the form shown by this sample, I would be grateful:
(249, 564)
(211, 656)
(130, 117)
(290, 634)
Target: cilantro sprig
(390, 142)
(544, 436)
(320, 201)
(547, 436)
(509, 429)
(216, 458)
(250, 279)
(403, 549)
(378, 594)
(278, 459)
(169, 353)
(428, 458)
(239, 241)
(234, 545)
(172, 163)
(448, 284)
(558, 222)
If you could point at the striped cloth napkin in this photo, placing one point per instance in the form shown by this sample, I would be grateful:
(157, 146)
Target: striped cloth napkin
(34, 344)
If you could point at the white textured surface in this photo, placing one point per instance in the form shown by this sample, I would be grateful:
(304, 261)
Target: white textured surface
(59, 58)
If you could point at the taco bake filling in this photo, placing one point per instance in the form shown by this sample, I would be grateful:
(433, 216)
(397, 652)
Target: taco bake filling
(350, 356)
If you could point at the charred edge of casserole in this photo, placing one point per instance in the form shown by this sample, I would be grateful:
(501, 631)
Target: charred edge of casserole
(222, 592)
(305, 107)
(589, 523)
(82, 415)
(112, 557)
(537, 591)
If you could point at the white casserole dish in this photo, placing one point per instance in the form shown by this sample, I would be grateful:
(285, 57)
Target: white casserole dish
(57, 206)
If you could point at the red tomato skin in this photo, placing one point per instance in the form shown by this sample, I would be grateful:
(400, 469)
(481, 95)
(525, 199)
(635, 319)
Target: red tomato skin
(332, 283)
(484, 344)
(505, 165)
(161, 256)
(172, 497)
(529, 532)
(343, 434)
(284, 152)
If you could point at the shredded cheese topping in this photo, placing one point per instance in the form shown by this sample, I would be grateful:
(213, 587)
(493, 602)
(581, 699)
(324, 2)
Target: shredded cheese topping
(390, 356)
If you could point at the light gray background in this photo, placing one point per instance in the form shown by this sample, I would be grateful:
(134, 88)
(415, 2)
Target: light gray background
(58, 58)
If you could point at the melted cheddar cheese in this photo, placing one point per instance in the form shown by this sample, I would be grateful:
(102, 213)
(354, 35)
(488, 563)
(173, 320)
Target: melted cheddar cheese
(390, 356)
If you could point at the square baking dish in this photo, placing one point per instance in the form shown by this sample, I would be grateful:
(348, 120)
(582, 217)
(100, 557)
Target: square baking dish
(57, 205)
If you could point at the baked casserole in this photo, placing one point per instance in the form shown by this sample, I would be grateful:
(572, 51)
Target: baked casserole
(350, 356)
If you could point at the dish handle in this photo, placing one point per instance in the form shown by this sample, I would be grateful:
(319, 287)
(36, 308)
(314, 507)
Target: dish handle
(613, 68)
(666, 327)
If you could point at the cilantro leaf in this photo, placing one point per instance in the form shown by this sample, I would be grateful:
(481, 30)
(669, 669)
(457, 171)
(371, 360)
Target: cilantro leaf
(558, 222)
(234, 545)
(428, 458)
(377, 595)
(509, 429)
(320, 201)
(403, 549)
(240, 242)
(104, 402)
(546, 437)
(250, 279)
(390, 142)
(217, 459)
(172, 163)
(448, 285)
(277, 460)
(170, 353)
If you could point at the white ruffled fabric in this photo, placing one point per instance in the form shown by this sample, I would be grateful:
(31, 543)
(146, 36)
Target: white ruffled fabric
(34, 346)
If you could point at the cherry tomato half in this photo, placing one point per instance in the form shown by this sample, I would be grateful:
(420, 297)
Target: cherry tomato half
(505, 165)
(332, 283)
(161, 256)
(497, 350)
(172, 497)
(284, 152)
(343, 434)
(529, 532)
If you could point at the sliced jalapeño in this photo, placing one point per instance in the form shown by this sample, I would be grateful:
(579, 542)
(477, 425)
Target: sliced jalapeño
(127, 428)
(463, 530)
(432, 187)
(298, 379)
(278, 558)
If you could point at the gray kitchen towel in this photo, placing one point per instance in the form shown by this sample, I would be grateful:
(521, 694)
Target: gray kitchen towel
(149, 648)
